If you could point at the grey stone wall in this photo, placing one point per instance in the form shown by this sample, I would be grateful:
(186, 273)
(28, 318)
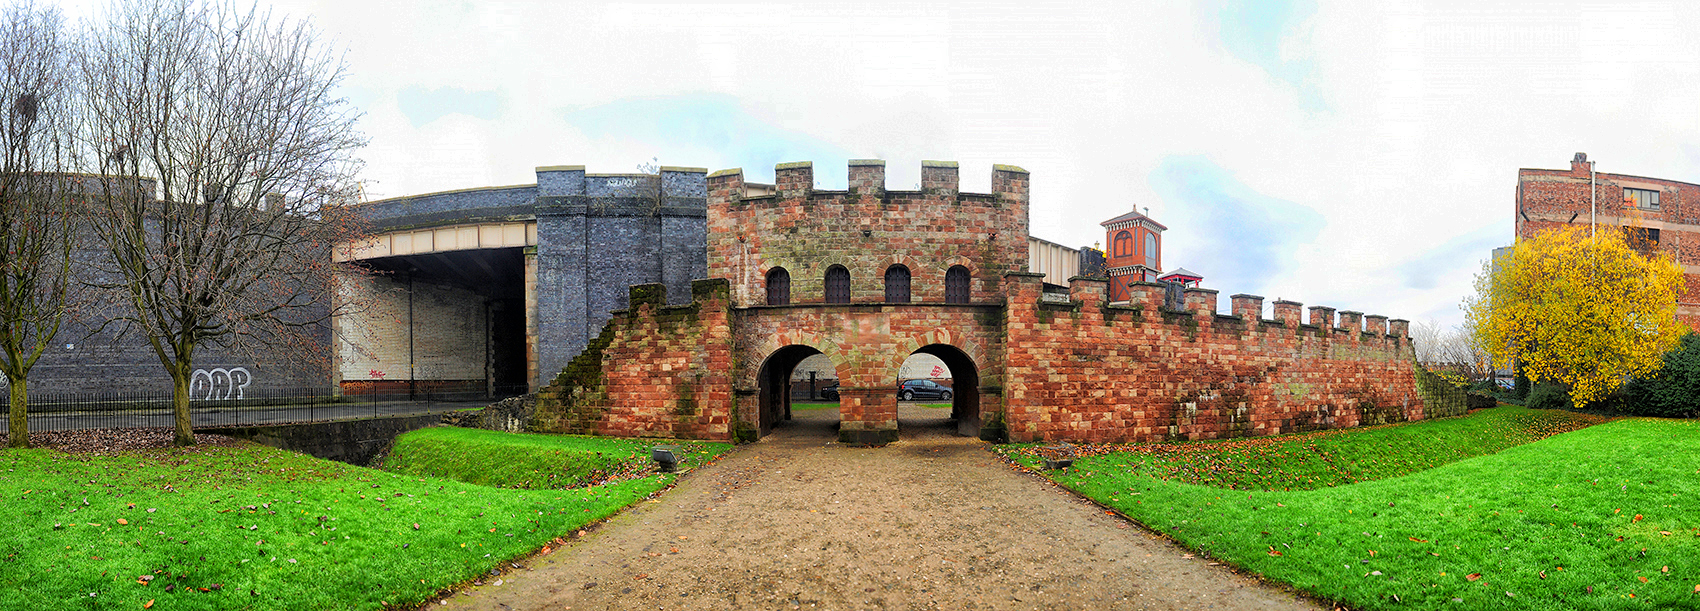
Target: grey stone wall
(599, 234)
(97, 354)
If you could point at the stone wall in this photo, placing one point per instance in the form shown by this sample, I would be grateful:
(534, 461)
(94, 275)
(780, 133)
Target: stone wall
(598, 234)
(866, 229)
(1090, 371)
(656, 371)
(1026, 364)
(1081, 371)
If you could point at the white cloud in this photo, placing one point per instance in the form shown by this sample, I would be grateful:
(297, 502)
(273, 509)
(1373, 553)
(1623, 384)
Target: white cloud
(1403, 130)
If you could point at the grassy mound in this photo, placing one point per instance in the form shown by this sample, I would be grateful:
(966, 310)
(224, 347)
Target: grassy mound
(1599, 518)
(510, 460)
(1335, 457)
(252, 527)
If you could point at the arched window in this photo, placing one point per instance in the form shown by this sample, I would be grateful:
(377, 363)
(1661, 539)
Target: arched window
(1151, 250)
(778, 286)
(1123, 245)
(897, 284)
(837, 284)
(956, 285)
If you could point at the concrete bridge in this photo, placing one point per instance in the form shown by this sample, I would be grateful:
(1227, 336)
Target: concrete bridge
(500, 286)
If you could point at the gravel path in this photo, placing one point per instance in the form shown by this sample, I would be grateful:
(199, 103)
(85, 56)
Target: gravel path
(934, 521)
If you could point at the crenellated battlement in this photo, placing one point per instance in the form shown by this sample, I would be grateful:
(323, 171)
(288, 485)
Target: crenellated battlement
(1249, 308)
(867, 228)
(867, 276)
(940, 180)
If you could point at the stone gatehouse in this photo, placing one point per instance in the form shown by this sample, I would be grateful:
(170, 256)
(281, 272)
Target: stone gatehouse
(868, 276)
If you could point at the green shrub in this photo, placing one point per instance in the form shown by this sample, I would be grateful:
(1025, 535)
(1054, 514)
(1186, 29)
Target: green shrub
(1548, 396)
(1673, 392)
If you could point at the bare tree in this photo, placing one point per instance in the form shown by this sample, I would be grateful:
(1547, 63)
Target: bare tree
(1454, 349)
(38, 215)
(236, 115)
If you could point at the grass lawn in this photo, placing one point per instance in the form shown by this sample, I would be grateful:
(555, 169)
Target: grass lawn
(252, 527)
(1462, 513)
(506, 460)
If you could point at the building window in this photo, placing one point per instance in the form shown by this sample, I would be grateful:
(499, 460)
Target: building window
(837, 284)
(1645, 199)
(956, 285)
(897, 284)
(1151, 250)
(1642, 239)
(778, 286)
(1124, 244)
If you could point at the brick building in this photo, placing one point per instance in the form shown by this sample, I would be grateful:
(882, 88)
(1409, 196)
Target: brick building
(869, 276)
(1136, 252)
(1654, 213)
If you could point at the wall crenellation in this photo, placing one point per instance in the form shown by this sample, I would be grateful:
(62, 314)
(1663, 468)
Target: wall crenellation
(1028, 364)
(866, 228)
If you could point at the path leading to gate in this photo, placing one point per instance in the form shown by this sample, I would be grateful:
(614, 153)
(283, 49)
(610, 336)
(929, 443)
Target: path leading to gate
(933, 521)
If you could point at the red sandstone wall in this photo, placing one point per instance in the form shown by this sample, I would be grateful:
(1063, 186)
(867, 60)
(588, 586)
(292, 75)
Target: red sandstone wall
(1093, 372)
(866, 229)
(665, 371)
(869, 343)
(1547, 199)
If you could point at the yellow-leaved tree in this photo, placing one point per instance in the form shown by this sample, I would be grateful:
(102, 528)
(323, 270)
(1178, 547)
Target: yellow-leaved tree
(1588, 312)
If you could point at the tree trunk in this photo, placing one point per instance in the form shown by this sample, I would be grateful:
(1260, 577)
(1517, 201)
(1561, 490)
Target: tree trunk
(20, 425)
(180, 409)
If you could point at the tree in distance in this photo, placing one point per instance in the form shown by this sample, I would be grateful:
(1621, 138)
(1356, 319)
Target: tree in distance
(236, 115)
(1584, 311)
(39, 211)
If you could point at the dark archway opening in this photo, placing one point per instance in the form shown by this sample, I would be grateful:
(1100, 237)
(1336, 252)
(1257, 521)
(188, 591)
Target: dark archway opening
(775, 386)
(965, 387)
(487, 286)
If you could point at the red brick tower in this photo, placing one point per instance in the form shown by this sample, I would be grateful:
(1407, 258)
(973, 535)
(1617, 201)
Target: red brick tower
(1135, 252)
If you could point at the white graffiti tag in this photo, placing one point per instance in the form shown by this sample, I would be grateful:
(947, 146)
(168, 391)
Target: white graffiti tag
(219, 383)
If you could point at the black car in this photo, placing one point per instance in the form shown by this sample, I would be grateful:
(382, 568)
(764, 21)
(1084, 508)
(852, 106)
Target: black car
(922, 389)
(830, 392)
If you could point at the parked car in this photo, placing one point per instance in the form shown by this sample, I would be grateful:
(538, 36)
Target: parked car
(922, 389)
(830, 393)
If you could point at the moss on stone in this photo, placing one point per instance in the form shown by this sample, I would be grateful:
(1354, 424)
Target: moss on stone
(652, 294)
(576, 400)
(685, 404)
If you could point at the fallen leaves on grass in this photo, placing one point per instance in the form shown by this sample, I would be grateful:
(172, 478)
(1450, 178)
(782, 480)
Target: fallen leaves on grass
(1315, 459)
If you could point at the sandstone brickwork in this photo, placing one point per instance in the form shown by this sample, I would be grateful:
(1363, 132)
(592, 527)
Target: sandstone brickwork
(1027, 365)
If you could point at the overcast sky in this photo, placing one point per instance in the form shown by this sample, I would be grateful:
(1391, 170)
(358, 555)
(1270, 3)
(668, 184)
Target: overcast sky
(1358, 155)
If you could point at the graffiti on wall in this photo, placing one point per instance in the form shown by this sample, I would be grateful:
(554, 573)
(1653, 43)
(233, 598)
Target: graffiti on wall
(219, 383)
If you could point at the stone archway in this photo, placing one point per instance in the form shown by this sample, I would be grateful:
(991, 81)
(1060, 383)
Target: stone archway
(965, 386)
(773, 394)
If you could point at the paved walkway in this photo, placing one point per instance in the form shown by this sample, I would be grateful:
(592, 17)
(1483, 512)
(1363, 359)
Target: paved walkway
(934, 521)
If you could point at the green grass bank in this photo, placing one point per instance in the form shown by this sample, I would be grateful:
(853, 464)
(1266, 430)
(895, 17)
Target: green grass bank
(1505, 508)
(251, 527)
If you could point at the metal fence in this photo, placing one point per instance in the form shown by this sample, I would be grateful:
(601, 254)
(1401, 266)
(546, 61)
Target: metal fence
(69, 411)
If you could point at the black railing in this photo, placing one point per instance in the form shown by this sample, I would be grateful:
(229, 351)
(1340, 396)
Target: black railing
(68, 411)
